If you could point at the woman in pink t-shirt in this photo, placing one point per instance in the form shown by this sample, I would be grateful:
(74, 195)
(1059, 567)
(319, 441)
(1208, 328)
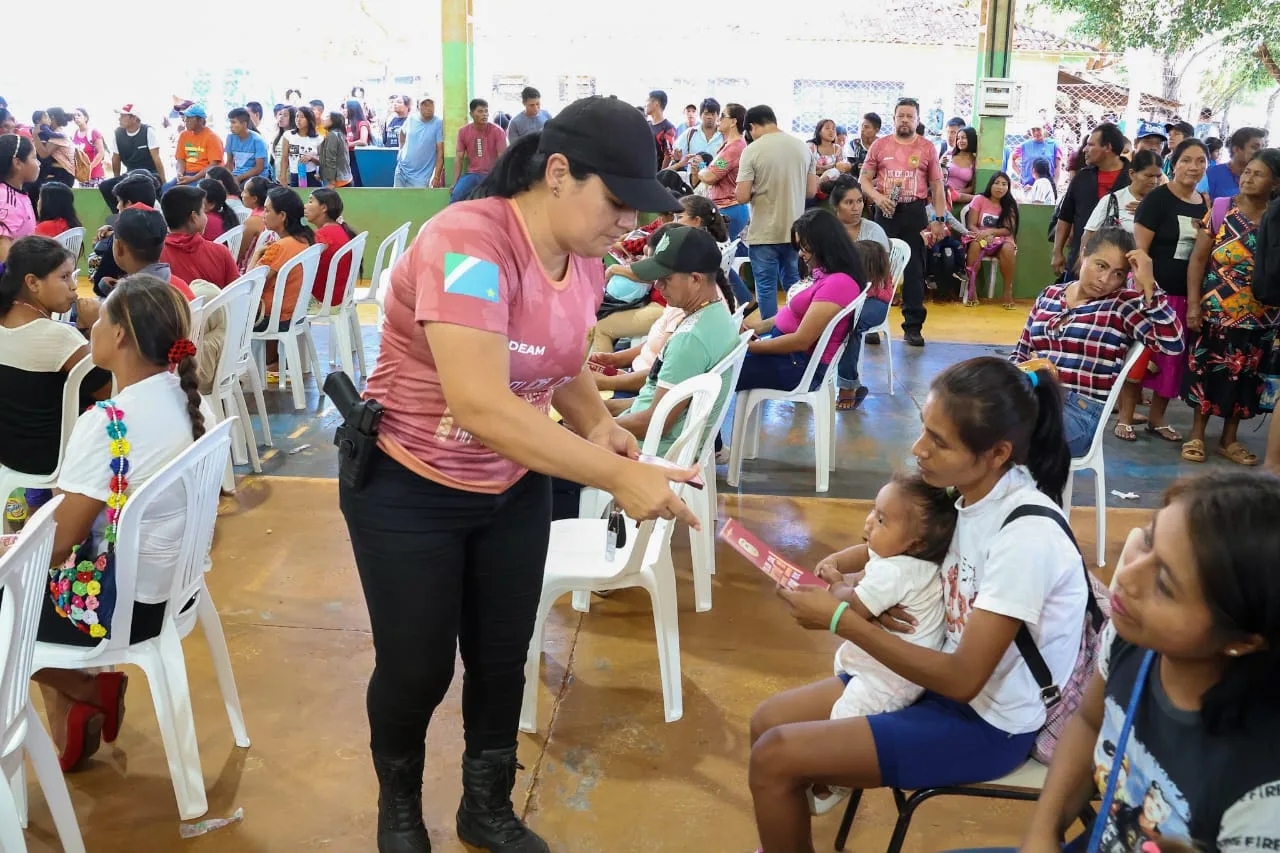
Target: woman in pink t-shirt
(992, 221)
(485, 329)
(778, 357)
(18, 165)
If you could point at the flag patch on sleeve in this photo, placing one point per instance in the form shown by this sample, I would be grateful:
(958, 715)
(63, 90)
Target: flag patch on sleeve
(468, 276)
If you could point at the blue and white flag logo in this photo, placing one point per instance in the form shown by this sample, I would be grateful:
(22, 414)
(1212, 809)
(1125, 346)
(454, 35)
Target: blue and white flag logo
(468, 276)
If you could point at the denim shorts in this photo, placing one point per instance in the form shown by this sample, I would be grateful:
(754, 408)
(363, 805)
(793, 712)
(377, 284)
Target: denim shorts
(938, 742)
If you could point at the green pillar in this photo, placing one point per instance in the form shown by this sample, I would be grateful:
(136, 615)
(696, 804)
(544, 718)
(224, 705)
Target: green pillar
(995, 56)
(457, 73)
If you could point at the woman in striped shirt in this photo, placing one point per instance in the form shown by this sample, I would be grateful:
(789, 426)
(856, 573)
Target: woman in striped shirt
(1086, 328)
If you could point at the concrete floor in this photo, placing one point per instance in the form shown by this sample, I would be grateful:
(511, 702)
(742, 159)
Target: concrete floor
(604, 773)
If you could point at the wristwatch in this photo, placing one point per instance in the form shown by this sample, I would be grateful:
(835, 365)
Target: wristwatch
(939, 219)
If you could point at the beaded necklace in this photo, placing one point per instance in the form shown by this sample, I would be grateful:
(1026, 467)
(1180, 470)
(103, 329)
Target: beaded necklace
(76, 586)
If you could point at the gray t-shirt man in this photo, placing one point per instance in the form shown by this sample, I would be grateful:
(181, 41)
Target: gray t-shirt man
(523, 124)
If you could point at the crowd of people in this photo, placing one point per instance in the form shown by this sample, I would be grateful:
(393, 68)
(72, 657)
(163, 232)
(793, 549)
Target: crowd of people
(489, 318)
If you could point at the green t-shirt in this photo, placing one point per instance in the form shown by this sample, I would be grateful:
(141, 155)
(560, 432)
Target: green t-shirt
(698, 344)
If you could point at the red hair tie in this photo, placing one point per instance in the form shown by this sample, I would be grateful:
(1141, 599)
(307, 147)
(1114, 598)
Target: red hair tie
(181, 349)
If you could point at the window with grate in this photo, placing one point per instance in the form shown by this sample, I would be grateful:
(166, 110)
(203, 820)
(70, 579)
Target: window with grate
(841, 100)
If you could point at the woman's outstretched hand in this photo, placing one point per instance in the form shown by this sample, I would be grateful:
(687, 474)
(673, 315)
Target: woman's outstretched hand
(811, 606)
(644, 492)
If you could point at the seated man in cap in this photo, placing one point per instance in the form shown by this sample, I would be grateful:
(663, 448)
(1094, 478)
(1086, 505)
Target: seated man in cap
(139, 242)
(198, 148)
(136, 189)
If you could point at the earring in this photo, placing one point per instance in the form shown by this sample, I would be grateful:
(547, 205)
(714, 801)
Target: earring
(555, 190)
(1233, 652)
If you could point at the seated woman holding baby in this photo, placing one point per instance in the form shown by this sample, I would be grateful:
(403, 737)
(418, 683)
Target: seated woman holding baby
(950, 701)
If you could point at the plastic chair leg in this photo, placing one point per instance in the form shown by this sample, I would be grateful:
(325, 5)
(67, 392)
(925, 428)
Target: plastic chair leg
(754, 424)
(357, 338)
(312, 365)
(44, 761)
(15, 776)
(831, 447)
(211, 624)
(11, 837)
(244, 430)
(666, 626)
(701, 550)
(823, 414)
(291, 349)
(255, 385)
(1066, 494)
(1100, 508)
(529, 705)
(340, 337)
(741, 416)
(166, 671)
(888, 354)
(581, 600)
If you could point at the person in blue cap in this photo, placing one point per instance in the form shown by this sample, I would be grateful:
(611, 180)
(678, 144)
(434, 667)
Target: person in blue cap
(198, 149)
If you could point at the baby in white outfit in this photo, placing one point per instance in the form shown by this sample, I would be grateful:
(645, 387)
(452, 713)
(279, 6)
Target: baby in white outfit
(907, 533)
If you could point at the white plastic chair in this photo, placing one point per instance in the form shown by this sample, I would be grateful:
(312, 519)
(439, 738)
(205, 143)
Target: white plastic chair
(899, 257)
(1093, 460)
(388, 253)
(196, 472)
(72, 240)
(991, 264)
(232, 238)
(196, 307)
(344, 324)
(11, 479)
(705, 503)
(226, 398)
(576, 556)
(293, 344)
(747, 409)
(729, 251)
(24, 577)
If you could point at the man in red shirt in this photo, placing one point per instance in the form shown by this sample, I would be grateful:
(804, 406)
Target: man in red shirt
(186, 251)
(480, 144)
(900, 176)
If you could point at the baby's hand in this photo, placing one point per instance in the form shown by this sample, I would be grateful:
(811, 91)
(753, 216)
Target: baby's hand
(828, 570)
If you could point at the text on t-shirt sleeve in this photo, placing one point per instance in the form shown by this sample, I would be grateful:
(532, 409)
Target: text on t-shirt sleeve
(1253, 822)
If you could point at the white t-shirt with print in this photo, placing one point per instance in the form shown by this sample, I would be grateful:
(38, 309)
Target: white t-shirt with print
(892, 581)
(1027, 571)
(299, 145)
(158, 429)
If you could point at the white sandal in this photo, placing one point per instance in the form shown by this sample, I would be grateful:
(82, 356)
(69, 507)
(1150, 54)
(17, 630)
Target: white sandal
(819, 806)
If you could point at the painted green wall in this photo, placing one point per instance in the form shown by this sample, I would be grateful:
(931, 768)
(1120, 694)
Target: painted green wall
(381, 211)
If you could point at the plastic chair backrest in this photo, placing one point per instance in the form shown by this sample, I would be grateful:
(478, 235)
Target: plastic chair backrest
(196, 307)
(264, 237)
(388, 253)
(728, 251)
(24, 577)
(1113, 396)
(232, 238)
(199, 470)
(72, 240)
(308, 264)
(854, 308)
(239, 307)
(354, 249)
(730, 365)
(71, 406)
(701, 392)
(899, 257)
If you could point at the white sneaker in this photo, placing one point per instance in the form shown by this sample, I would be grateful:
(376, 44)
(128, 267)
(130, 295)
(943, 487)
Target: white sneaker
(722, 455)
(821, 805)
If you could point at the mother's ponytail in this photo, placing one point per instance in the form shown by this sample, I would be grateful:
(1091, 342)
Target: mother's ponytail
(989, 400)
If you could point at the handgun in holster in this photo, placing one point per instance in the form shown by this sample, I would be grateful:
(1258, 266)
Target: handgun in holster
(357, 436)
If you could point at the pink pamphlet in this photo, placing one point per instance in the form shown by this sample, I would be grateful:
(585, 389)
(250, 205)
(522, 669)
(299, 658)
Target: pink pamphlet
(766, 559)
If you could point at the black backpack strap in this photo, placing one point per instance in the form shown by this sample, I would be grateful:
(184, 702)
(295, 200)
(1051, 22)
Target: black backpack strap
(1050, 694)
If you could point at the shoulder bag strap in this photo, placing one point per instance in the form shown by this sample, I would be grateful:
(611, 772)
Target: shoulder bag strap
(1050, 694)
(1117, 763)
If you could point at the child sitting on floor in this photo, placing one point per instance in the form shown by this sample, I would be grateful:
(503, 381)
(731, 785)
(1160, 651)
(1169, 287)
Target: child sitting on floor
(907, 533)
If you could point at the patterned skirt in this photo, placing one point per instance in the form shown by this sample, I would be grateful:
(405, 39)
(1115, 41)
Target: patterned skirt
(1231, 371)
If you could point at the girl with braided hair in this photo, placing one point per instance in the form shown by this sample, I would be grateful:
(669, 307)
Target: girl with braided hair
(143, 337)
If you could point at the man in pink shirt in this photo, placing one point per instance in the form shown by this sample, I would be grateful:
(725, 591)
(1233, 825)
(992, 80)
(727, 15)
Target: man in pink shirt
(900, 175)
(480, 144)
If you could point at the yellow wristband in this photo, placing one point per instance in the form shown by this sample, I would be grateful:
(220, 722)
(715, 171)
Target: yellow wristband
(835, 617)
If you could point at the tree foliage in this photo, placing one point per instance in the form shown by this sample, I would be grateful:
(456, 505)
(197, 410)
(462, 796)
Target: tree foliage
(1171, 27)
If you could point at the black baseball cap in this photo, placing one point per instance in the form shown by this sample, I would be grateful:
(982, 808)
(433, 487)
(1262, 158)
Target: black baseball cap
(1183, 127)
(680, 249)
(614, 141)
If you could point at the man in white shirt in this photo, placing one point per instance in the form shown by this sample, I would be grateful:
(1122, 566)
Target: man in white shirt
(776, 176)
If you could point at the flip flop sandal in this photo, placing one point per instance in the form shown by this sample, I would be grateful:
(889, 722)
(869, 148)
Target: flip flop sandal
(1124, 432)
(1009, 306)
(844, 404)
(1193, 450)
(1238, 453)
(1164, 433)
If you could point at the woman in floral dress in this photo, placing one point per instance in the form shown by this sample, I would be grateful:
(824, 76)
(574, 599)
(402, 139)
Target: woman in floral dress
(1226, 370)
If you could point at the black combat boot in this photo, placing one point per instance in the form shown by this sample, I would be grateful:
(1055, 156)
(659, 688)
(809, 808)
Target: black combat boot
(400, 827)
(486, 818)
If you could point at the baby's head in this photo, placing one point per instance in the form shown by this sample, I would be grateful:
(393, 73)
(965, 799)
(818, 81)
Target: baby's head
(911, 517)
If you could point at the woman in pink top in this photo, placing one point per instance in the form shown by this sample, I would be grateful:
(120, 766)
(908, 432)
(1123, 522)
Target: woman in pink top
(777, 358)
(486, 328)
(18, 165)
(961, 165)
(992, 221)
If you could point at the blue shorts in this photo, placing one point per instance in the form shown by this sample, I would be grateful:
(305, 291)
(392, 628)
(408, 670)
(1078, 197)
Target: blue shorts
(939, 742)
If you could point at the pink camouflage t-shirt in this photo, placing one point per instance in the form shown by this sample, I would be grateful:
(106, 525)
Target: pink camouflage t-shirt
(17, 217)
(472, 265)
(912, 167)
